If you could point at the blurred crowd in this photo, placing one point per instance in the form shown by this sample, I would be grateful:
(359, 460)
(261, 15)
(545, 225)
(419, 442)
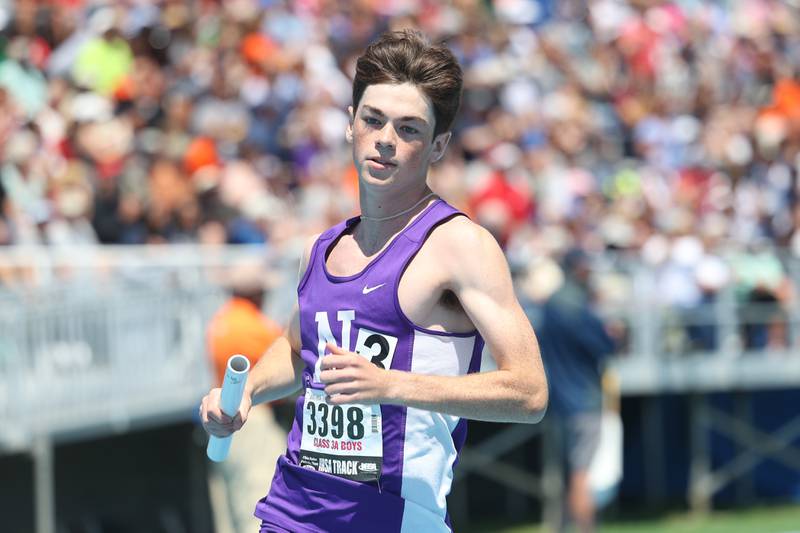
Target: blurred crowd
(666, 131)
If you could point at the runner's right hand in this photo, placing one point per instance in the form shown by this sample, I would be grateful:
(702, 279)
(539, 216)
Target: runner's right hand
(217, 423)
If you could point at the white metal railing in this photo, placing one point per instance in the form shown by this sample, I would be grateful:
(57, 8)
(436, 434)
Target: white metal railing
(100, 360)
(728, 340)
(95, 340)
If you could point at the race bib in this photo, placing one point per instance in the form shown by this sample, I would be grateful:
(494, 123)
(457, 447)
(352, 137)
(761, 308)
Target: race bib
(343, 440)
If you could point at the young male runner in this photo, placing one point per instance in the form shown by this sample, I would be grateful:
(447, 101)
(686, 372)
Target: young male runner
(393, 310)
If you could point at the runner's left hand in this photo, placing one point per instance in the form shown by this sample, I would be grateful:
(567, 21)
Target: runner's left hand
(350, 378)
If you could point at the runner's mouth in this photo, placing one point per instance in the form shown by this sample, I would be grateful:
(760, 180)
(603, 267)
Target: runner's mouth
(382, 162)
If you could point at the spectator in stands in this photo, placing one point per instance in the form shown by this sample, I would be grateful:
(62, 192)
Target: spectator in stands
(574, 344)
(763, 293)
(240, 327)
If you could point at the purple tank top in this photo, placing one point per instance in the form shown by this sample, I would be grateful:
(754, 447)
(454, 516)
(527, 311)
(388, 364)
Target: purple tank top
(360, 468)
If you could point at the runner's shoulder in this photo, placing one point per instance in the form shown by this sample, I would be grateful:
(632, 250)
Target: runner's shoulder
(469, 254)
(460, 239)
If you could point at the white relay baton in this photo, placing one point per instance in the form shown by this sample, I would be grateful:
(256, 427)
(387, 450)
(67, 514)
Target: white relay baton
(232, 390)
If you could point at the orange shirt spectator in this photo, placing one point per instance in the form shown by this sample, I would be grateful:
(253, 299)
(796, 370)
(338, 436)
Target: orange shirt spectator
(239, 327)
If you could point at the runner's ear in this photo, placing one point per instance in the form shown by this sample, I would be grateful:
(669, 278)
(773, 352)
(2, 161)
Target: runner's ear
(440, 145)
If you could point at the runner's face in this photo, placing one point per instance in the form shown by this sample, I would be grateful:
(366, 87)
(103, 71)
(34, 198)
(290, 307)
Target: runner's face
(392, 135)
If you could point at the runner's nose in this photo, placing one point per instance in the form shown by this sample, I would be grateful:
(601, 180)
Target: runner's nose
(387, 138)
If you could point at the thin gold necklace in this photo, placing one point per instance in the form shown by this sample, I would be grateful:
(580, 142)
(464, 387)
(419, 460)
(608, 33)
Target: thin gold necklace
(381, 219)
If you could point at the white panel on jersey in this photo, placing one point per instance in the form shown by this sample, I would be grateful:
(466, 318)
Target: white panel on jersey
(441, 355)
(429, 451)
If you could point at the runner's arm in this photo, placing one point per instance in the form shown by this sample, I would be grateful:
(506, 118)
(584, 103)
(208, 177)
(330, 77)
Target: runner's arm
(479, 276)
(517, 390)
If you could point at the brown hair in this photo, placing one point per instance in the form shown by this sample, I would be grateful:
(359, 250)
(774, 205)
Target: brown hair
(407, 57)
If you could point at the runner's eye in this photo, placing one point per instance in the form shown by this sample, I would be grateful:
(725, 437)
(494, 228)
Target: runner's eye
(409, 129)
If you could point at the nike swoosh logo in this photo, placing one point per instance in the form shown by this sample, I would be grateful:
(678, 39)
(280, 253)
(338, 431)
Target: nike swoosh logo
(368, 290)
